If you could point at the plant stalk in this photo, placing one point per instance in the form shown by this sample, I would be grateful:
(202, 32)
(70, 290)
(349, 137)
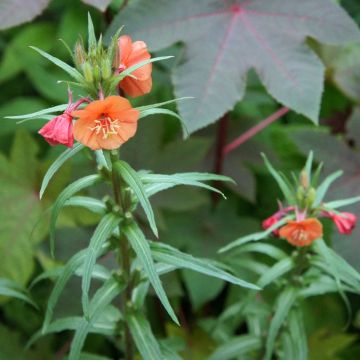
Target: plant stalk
(124, 257)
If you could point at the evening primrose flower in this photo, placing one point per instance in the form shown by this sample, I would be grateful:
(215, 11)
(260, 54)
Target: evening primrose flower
(302, 232)
(132, 53)
(106, 124)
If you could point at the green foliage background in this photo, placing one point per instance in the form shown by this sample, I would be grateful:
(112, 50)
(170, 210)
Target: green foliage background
(187, 218)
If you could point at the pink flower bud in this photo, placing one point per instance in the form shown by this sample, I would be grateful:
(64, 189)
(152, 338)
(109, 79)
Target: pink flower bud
(59, 130)
(345, 222)
(269, 222)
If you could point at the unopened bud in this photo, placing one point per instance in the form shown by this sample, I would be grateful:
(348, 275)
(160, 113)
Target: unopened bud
(79, 54)
(88, 72)
(106, 69)
(310, 197)
(97, 73)
(304, 179)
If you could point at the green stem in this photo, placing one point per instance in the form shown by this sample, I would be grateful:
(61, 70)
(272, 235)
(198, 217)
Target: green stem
(124, 257)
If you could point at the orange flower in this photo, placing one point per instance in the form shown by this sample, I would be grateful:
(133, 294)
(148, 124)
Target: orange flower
(106, 124)
(132, 53)
(302, 233)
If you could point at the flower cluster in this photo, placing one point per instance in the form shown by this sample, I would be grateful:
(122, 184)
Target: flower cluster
(108, 122)
(299, 222)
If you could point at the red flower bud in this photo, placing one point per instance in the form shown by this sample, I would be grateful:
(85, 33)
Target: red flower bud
(345, 222)
(269, 222)
(59, 131)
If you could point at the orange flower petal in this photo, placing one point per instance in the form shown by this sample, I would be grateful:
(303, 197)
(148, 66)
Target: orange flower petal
(106, 124)
(302, 233)
(136, 88)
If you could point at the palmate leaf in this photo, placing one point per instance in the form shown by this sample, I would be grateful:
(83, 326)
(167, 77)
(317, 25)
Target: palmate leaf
(169, 255)
(142, 249)
(144, 338)
(225, 39)
(16, 12)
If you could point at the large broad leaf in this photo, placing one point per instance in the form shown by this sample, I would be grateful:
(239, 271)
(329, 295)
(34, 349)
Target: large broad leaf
(336, 155)
(224, 39)
(15, 12)
(20, 209)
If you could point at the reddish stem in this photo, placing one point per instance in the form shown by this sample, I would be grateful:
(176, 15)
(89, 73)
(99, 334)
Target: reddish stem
(220, 144)
(254, 130)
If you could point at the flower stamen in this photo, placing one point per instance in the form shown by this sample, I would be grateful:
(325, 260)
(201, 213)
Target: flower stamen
(106, 126)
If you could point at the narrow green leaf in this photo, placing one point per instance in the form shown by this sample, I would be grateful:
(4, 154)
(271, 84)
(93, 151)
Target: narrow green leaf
(308, 166)
(324, 186)
(103, 297)
(143, 252)
(155, 183)
(341, 203)
(256, 236)
(65, 195)
(262, 248)
(337, 266)
(12, 289)
(297, 332)
(89, 203)
(55, 166)
(63, 278)
(286, 190)
(103, 231)
(132, 178)
(131, 69)
(276, 271)
(152, 106)
(144, 338)
(91, 33)
(40, 113)
(237, 347)
(69, 69)
(101, 159)
(169, 255)
(284, 303)
(156, 111)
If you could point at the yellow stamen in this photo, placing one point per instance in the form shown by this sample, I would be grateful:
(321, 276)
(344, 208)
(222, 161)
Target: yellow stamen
(106, 126)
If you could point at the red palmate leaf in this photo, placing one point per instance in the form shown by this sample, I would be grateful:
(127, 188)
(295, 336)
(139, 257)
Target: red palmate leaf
(224, 39)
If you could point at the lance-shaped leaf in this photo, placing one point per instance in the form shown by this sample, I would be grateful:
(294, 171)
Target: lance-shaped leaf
(105, 228)
(236, 347)
(132, 178)
(169, 255)
(142, 249)
(101, 299)
(283, 305)
(40, 113)
(16, 12)
(65, 195)
(144, 338)
(56, 165)
(12, 289)
(224, 39)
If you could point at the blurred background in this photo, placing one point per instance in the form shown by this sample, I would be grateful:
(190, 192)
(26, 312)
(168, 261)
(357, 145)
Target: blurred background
(191, 219)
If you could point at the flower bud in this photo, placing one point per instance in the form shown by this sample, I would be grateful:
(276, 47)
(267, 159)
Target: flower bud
(304, 179)
(79, 54)
(105, 69)
(88, 72)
